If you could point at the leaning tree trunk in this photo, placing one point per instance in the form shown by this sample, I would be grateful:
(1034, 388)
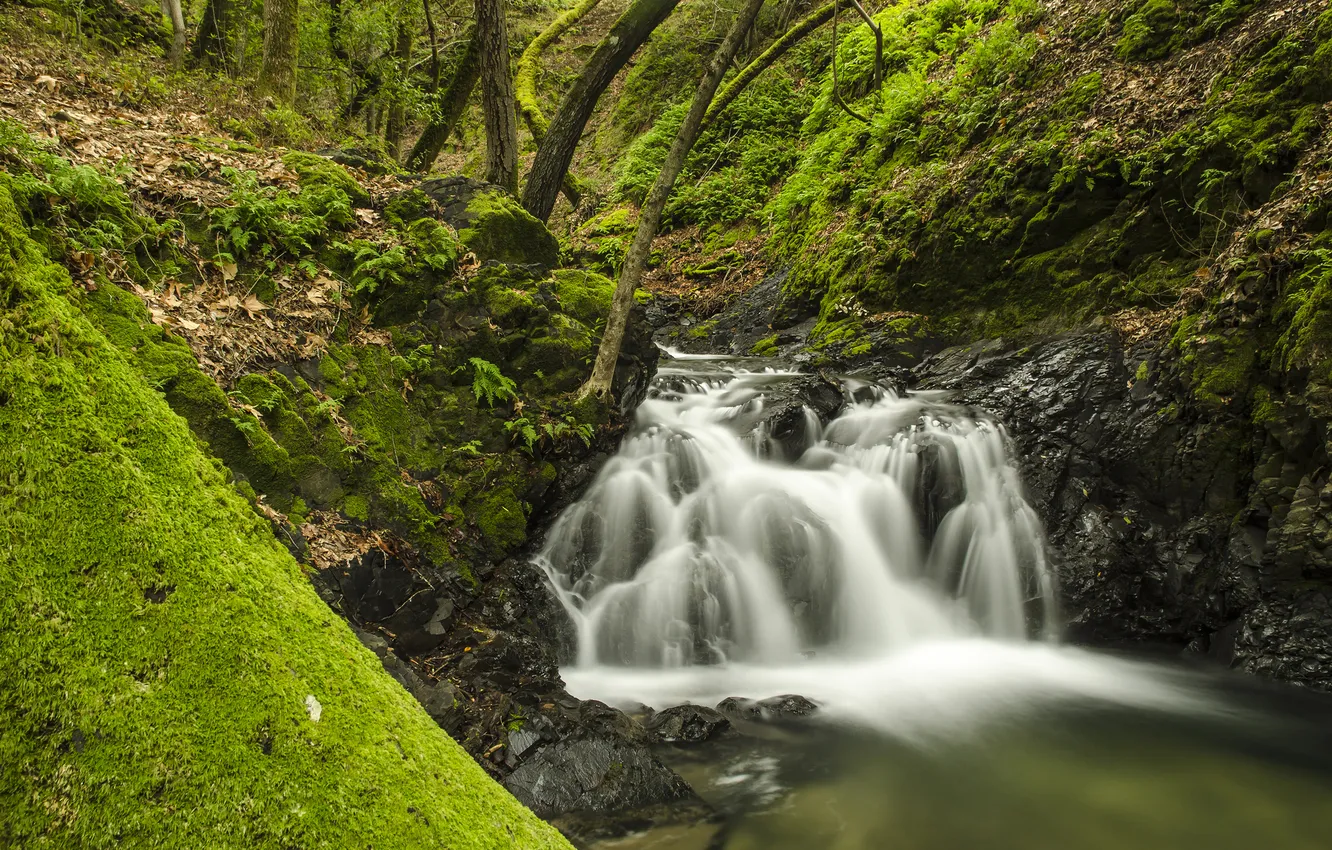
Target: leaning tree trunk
(557, 149)
(176, 55)
(497, 98)
(215, 44)
(277, 77)
(525, 85)
(451, 107)
(635, 261)
(775, 51)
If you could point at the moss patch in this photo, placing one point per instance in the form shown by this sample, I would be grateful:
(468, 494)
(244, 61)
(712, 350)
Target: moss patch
(498, 228)
(167, 676)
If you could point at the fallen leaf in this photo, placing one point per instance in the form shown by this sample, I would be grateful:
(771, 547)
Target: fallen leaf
(229, 271)
(253, 305)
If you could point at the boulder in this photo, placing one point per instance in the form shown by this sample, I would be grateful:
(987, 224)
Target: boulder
(688, 724)
(786, 707)
(491, 224)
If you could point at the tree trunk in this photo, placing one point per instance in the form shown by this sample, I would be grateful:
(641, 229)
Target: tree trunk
(775, 51)
(397, 117)
(176, 55)
(635, 261)
(529, 64)
(451, 107)
(497, 99)
(525, 84)
(277, 77)
(215, 45)
(557, 149)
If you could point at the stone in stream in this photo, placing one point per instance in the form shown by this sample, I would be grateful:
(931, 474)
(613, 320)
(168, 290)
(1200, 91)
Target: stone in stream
(688, 724)
(780, 708)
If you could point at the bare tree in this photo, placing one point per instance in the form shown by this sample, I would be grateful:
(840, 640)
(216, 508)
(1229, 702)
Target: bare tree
(176, 55)
(277, 77)
(649, 218)
(497, 98)
(556, 152)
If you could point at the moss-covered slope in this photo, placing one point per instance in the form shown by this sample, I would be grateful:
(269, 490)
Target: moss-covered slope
(168, 678)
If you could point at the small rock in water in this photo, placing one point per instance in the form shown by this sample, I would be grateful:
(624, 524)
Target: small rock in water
(688, 724)
(314, 708)
(784, 707)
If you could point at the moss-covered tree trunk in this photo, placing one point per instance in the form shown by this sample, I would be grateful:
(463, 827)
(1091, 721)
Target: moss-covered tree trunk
(451, 105)
(397, 115)
(277, 77)
(215, 46)
(775, 51)
(557, 149)
(635, 261)
(525, 87)
(168, 676)
(497, 97)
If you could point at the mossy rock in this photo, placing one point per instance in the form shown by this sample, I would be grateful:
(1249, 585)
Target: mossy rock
(495, 227)
(584, 295)
(489, 222)
(168, 677)
(314, 170)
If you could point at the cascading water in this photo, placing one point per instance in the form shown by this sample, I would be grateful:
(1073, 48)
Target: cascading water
(704, 542)
(886, 566)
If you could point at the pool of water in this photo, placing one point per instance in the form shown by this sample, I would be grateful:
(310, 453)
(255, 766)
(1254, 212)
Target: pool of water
(1255, 771)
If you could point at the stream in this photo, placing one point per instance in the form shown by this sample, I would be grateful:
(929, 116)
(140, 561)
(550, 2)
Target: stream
(885, 565)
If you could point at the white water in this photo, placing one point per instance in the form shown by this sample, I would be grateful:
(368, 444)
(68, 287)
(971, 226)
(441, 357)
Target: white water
(889, 568)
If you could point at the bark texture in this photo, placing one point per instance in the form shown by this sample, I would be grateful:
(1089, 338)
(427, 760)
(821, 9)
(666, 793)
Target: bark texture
(635, 261)
(557, 149)
(176, 53)
(215, 46)
(497, 97)
(451, 105)
(277, 77)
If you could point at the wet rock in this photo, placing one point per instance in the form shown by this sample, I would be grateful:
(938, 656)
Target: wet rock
(604, 768)
(780, 708)
(1171, 522)
(688, 724)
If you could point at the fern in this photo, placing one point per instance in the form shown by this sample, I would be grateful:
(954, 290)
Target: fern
(489, 385)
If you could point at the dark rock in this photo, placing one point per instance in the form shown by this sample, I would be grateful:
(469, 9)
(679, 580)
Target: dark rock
(1170, 522)
(779, 708)
(688, 724)
(367, 160)
(593, 773)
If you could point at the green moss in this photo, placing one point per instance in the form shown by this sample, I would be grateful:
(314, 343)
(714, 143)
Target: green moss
(356, 507)
(766, 347)
(1150, 32)
(314, 171)
(162, 653)
(501, 519)
(497, 228)
(584, 295)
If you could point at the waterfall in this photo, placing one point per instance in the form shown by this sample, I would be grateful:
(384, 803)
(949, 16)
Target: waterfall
(705, 541)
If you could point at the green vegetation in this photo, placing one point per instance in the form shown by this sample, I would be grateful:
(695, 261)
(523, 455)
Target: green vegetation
(169, 677)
